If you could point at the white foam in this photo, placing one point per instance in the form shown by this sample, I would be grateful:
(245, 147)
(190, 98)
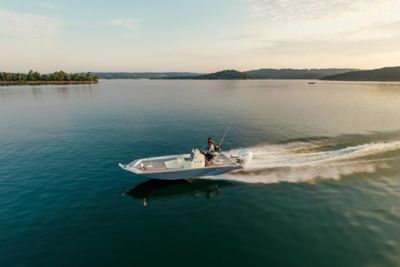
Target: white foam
(302, 162)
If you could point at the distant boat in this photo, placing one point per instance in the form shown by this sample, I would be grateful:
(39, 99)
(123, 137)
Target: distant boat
(311, 82)
(193, 165)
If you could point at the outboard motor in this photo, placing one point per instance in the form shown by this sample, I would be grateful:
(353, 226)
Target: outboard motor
(243, 157)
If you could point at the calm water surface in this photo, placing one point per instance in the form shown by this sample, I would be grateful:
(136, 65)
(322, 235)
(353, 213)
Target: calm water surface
(323, 188)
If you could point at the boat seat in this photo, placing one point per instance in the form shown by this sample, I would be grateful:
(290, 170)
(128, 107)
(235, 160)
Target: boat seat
(171, 164)
(174, 163)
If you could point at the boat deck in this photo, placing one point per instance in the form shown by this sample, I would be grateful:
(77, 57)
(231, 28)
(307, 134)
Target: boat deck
(159, 164)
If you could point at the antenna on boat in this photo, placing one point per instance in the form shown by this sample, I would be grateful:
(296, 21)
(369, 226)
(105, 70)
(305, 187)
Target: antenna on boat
(226, 132)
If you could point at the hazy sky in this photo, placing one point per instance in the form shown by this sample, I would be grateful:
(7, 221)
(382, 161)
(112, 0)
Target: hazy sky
(197, 36)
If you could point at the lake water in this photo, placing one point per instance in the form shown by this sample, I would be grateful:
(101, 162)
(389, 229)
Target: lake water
(323, 188)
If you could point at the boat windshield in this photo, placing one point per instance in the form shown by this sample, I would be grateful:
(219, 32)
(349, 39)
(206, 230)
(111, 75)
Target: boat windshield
(192, 153)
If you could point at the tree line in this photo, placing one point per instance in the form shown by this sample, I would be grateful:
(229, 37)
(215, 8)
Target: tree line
(58, 76)
(383, 74)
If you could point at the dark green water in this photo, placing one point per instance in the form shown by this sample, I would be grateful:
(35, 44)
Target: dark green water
(323, 188)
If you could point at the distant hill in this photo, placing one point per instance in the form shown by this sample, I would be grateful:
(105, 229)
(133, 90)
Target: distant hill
(383, 74)
(232, 74)
(223, 75)
(267, 74)
(143, 75)
(293, 73)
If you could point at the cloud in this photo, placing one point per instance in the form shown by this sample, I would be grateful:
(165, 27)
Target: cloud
(127, 23)
(27, 25)
(47, 5)
(345, 28)
(308, 10)
(372, 39)
(309, 19)
(375, 31)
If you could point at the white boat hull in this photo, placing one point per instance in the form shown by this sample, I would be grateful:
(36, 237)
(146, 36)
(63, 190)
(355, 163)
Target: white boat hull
(185, 166)
(185, 174)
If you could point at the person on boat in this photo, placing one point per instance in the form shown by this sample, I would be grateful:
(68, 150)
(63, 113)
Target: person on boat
(210, 151)
(210, 145)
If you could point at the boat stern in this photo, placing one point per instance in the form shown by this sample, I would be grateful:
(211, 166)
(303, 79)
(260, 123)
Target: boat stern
(242, 157)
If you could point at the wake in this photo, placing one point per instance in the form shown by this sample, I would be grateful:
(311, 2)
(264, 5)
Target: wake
(305, 162)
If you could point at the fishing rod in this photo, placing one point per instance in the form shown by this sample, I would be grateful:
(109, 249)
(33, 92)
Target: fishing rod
(226, 132)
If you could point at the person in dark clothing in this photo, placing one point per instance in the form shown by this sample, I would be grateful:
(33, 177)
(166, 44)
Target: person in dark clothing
(212, 148)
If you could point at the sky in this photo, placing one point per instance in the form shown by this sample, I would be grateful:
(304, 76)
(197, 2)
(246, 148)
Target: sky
(197, 36)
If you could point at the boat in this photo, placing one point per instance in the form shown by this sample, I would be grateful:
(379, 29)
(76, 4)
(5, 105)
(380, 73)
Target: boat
(190, 165)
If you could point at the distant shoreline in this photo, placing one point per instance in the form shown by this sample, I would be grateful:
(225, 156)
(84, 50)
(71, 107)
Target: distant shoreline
(387, 74)
(35, 78)
(10, 83)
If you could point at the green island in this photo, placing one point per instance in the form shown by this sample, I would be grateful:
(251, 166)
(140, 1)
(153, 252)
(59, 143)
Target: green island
(35, 78)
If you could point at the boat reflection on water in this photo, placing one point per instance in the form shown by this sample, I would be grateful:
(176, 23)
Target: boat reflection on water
(152, 189)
